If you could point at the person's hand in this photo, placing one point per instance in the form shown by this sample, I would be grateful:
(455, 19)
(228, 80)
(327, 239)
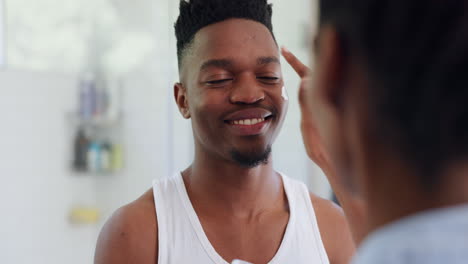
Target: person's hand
(312, 141)
(353, 206)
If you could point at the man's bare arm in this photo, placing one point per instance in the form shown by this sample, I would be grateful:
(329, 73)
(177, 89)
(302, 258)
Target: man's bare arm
(334, 230)
(130, 235)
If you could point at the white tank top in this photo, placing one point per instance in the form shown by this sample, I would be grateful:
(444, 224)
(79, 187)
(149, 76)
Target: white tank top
(182, 239)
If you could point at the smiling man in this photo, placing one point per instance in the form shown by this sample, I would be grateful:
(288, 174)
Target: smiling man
(230, 203)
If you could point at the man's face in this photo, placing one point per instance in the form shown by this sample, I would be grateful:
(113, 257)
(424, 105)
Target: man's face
(233, 83)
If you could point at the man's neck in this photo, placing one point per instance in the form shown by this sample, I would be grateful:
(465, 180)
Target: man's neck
(224, 186)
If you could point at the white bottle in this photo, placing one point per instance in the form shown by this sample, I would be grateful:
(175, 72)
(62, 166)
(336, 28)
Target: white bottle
(94, 157)
(105, 158)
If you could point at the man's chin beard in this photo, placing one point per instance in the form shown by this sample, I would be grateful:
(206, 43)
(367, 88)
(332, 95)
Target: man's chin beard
(251, 159)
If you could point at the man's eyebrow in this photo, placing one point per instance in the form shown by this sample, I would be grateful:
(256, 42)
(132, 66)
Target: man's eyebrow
(219, 63)
(267, 60)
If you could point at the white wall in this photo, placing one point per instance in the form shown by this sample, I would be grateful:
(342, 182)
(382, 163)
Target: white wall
(38, 190)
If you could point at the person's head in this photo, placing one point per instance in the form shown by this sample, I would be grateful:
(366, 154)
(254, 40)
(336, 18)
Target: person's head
(390, 86)
(230, 78)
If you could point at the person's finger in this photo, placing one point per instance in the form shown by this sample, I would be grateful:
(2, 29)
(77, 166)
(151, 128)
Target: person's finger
(301, 69)
(303, 93)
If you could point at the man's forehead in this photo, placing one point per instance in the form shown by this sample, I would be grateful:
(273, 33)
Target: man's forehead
(230, 41)
(233, 34)
(231, 62)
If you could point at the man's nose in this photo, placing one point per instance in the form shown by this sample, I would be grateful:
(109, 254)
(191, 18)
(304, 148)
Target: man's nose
(247, 91)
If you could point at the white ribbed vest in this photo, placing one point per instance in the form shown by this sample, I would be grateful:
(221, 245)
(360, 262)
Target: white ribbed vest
(183, 241)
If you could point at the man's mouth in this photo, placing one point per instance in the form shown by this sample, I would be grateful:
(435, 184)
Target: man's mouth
(249, 122)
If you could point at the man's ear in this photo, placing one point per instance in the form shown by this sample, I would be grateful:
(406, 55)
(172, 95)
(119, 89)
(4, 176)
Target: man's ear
(332, 60)
(180, 96)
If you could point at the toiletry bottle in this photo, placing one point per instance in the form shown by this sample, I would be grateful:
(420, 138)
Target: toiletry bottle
(80, 150)
(101, 100)
(93, 157)
(87, 94)
(116, 157)
(93, 99)
(105, 158)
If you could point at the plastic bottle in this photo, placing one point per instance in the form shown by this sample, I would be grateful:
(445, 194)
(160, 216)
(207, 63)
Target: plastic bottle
(116, 157)
(80, 151)
(93, 157)
(105, 158)
(87, 96)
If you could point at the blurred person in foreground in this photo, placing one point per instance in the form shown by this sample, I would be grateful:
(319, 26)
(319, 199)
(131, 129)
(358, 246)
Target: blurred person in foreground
(230, 203)
(385, 114)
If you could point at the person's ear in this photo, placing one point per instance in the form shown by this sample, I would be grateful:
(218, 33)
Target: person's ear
(180, 95)
(330, 75)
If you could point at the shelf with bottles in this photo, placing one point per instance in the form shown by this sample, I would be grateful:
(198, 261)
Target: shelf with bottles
(99, 102)
(97, 127)
(96, 151)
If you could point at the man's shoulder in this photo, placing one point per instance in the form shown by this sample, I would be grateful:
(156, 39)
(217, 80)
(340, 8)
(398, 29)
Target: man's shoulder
(130, 234)
(330, 216)
(325, 206)
(139, 214)
(334, 230)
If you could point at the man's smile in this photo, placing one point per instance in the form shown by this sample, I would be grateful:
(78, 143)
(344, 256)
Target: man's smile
(249, 122)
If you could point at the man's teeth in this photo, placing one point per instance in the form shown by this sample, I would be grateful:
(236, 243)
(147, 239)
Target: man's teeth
(248, 122)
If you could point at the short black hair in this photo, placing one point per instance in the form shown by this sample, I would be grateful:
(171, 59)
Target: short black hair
(197, 14)
(416, 54)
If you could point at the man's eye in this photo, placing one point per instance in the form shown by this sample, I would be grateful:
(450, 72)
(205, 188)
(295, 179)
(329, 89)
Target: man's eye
(269, 79)
(218, 82)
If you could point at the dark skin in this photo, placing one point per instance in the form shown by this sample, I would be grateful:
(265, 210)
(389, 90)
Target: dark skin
(232, 66)
(375, 186)
(353, 204)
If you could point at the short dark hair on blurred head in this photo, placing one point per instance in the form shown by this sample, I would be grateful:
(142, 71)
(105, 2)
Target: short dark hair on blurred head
(416, 53)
